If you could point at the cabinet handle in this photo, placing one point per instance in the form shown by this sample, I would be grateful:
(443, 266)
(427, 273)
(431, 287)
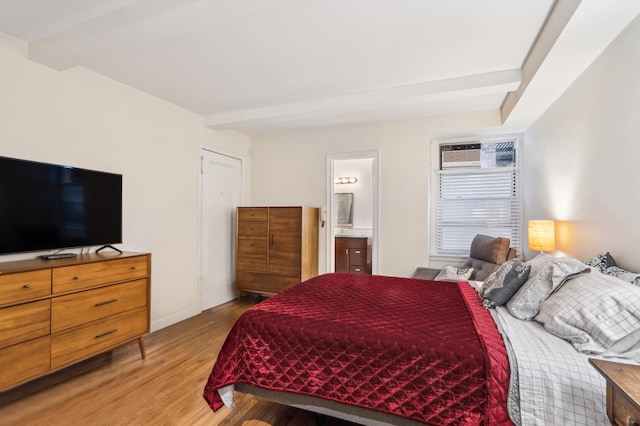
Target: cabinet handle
(76, 278)
(357, 269)
(106, 302)
(346, 251)
(106, 333)
(358, 252)
(270, 240)
(26, 286)
(133, 268)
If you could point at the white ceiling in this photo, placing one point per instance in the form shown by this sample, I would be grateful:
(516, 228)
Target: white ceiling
(266, 65)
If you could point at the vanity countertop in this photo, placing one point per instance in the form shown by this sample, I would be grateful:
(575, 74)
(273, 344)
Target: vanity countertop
(354, 233)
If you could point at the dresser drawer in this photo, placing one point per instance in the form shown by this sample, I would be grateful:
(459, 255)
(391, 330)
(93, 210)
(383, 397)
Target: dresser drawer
(253, 229)
(24, 286)
(253, 214)
(252, 262)
(358, 257)
(266, 283)
(78, 277)
(24, 322)
(84, 341)
(358, 269)
(252, 245)
(25, 360)
(80, 308)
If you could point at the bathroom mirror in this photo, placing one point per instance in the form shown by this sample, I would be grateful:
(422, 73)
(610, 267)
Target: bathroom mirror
(344, 209)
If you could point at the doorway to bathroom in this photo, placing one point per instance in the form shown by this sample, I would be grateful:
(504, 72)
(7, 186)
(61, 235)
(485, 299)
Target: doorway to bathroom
(352, 206)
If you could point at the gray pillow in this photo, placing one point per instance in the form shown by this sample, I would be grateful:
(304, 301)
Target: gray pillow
(526, 302)
(601, 261)
(501, 285)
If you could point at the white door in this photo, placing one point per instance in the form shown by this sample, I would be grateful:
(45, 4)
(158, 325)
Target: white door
(220, 193)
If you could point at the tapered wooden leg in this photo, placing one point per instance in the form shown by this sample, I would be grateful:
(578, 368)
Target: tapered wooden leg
(143, 353)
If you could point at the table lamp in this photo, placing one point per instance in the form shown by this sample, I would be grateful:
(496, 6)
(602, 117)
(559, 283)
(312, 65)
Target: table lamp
(542, 235)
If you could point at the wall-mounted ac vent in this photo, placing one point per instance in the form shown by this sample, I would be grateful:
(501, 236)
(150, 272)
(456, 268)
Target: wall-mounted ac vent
(462, 155)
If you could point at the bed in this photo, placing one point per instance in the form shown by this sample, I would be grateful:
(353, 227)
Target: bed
(381, 350)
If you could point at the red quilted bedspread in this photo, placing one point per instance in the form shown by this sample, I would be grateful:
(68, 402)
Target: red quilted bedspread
(426, 351)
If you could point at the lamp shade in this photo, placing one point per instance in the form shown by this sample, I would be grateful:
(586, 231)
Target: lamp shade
(542, 235)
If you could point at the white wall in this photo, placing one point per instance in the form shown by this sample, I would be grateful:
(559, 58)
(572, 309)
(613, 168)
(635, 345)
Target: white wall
(582, 158)
(79, 118)
(290, 169)
(362, 169)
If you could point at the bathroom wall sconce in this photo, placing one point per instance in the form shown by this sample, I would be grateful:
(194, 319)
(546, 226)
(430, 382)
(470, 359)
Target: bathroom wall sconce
(346, 180)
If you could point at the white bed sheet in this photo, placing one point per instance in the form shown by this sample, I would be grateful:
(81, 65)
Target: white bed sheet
(556, 384)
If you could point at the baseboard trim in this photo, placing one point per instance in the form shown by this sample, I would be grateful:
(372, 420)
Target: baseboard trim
(172, 319)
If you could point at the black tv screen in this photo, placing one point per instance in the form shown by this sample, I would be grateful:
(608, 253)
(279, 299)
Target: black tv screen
(48, 206)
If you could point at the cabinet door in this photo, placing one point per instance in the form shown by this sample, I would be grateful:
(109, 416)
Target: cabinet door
(285, 240)
(342, 255)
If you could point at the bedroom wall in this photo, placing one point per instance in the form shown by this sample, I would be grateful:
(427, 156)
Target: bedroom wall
(290, 169)
(79, 118)
(582, 158)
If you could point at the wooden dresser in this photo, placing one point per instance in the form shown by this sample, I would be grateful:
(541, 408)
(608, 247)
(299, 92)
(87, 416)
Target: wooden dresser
(623, 391)
(276, 248)
(54, 313)
(353, 255)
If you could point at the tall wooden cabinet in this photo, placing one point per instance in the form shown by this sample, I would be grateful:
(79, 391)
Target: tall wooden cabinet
(276, 248)
(54, 313)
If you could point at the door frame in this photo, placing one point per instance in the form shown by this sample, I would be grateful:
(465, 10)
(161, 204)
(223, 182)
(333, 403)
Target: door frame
(203, 147)
(329, 207)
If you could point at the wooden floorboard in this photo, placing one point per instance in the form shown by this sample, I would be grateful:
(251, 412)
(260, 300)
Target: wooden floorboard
(120, 388)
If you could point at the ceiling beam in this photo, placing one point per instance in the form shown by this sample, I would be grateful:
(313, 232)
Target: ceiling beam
(136, 25)
(412, 94)
(565, 48)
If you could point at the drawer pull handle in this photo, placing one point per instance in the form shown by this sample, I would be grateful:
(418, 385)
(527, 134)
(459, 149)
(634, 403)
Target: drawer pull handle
(106, 333)
(358, 252)
(357, 269)
(133, 268)
(106, 302)
(76, 278)
(26, 286)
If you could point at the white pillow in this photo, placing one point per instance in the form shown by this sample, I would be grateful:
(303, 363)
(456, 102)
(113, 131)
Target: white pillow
(596, 313)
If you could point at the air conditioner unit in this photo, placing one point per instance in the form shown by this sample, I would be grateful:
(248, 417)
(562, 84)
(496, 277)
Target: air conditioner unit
(461, 155)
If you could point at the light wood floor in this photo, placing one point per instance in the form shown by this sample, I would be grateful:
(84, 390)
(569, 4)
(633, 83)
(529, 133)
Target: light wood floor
(119, 388)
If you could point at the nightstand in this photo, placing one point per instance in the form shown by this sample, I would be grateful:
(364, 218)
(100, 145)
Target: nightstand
(623, 391)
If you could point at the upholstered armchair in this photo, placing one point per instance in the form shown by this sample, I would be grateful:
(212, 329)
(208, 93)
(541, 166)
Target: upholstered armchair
(485, 256)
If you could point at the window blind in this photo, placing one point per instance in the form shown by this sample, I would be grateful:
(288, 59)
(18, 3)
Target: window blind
(477, 201)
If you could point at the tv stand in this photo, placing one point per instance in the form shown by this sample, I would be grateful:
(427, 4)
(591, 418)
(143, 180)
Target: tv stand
(56, 314)
(108, 246)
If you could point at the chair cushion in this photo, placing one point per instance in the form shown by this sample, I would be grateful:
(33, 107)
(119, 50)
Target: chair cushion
(490, 249)
(487, 254)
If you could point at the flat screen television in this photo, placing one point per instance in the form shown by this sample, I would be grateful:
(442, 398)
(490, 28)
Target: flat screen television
(49, 206)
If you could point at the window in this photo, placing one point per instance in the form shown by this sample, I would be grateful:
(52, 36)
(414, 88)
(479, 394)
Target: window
(478, 192)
